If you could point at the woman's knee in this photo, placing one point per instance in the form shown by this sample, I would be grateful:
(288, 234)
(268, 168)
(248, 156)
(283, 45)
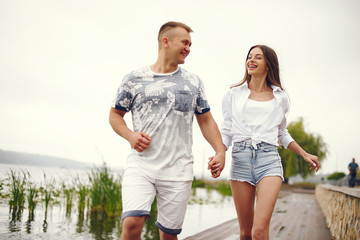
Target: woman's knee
(258, 233)
(245, 237)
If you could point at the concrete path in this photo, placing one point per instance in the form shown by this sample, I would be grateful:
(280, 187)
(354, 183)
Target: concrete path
(296, 216)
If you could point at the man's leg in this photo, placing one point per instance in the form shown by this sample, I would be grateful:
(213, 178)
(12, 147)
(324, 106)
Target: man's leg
(165, 236)
(172, 198)
(352, 180)
(138, 193)
(132, 227)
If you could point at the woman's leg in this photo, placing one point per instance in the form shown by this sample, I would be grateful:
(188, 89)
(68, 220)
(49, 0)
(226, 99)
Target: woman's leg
(267, 192)
(244, 196)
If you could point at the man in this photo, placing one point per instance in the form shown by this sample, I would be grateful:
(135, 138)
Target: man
(163, 99)
(353, 168)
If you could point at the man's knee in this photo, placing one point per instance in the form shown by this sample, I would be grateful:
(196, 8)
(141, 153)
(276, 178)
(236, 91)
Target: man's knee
(132, 226)
(166, 236)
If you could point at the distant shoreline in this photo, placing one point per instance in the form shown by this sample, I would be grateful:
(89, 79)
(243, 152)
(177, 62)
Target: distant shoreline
(29, 159)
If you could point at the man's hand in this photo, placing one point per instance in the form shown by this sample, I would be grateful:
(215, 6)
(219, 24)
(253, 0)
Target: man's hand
(139, 141)
(216, 164)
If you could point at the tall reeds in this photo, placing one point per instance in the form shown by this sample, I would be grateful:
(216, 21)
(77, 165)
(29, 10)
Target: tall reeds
(98, 200)
(82, 192)
(105, 192)
(2, 187)
(101, 196)
(198, 183)
(47, 192)
(32, 199)
(224, 188)
(69, 196)
(17, 192)
(151, 231)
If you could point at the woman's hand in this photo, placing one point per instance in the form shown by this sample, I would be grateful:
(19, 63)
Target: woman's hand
(313, 160)
(216, 165)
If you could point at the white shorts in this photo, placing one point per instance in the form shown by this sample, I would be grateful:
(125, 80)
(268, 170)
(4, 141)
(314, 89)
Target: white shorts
(138, 192)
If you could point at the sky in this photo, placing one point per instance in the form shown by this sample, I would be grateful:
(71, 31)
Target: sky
(62, 61)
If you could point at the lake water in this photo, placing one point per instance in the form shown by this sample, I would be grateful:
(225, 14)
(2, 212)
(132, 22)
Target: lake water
(205, 210)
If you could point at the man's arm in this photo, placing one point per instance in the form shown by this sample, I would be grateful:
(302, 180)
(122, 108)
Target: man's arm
(211, 133)
(138, 140)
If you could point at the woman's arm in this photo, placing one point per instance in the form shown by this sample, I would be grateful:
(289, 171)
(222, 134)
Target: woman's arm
(227, 119)
(312, 159)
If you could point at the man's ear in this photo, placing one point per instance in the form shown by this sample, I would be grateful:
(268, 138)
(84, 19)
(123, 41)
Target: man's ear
(165, 42)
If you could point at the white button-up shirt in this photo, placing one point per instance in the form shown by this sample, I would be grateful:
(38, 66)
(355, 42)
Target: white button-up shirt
(235, 129)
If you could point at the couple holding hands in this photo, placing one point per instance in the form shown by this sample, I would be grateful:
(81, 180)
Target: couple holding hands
(163, 99)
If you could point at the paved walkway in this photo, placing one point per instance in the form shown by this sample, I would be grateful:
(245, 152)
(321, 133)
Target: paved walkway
(296, 216)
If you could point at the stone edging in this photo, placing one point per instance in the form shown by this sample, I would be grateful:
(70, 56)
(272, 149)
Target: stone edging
(355, 192)
(341, 208)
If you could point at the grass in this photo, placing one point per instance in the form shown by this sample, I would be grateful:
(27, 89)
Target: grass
(99, 198)
(151, 230)
(17, 193)
(82, 192)
(47, 199)
(102, 196)
(198, 183)
(105, 193)
(69, 197)
(300, 185)
(32, 199)
(47, 192)
(1, 187)
(222, 186)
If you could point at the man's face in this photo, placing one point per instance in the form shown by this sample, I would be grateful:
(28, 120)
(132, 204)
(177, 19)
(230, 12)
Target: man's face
(179, 42)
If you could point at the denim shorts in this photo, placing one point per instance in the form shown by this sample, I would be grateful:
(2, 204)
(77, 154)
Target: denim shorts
(251, 165)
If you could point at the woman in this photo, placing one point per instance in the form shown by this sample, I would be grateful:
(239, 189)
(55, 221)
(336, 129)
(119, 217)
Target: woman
(254, 120)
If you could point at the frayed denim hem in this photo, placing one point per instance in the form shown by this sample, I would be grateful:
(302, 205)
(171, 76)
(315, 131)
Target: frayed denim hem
(239, 180)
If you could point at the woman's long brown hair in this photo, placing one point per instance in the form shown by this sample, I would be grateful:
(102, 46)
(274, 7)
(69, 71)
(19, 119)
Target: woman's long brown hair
(273, 75)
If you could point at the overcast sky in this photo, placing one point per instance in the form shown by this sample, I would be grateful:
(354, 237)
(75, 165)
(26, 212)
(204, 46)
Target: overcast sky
(62, 61)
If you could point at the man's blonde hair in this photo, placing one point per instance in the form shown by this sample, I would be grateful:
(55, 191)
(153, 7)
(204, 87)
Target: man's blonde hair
(171, 25)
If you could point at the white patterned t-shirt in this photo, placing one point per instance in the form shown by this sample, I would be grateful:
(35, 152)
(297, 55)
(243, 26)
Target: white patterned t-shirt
(163, 106)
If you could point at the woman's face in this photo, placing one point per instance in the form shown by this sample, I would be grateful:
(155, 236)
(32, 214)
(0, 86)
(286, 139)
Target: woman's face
(256, 64)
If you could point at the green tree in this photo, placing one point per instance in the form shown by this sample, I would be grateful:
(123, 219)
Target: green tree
(336, 176)
(293, 163)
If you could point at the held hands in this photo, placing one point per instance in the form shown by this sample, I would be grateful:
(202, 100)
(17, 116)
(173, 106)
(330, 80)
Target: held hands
(313, 160)
(216, 164)
(139, 141)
